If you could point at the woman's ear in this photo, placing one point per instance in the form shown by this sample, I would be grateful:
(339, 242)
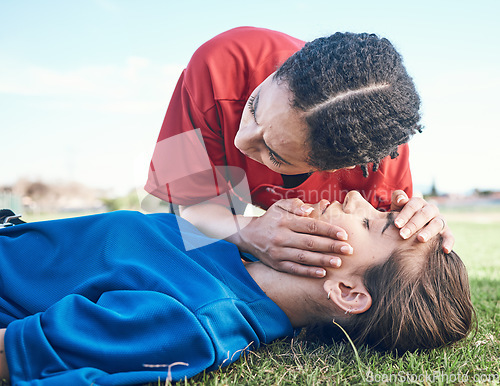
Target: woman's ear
(351, 296)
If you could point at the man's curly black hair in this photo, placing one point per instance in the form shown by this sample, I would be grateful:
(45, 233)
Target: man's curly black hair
(358, 99)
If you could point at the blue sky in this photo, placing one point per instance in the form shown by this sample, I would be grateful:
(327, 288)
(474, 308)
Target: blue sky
(84, 85)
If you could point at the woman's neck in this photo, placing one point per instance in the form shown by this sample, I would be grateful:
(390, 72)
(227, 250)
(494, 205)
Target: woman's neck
(302, 299)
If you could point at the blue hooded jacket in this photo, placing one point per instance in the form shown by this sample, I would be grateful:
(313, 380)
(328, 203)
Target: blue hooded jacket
(115, 299)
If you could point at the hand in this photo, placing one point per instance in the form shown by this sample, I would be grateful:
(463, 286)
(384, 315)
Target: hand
(288, 239)
(417, 215)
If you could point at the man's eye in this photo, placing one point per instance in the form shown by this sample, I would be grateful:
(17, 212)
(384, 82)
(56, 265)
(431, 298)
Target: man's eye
(366, 223)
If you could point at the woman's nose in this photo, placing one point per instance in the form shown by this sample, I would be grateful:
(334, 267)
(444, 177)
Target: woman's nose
(353, 201)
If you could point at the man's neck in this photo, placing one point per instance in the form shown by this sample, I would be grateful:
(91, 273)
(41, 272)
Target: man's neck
(302, 299)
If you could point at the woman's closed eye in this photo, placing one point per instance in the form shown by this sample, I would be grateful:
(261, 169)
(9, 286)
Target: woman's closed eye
(251, 106)
(366, 223)
(274, 160)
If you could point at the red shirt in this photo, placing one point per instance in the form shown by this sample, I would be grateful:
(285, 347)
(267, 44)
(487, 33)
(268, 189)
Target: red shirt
(210, 96)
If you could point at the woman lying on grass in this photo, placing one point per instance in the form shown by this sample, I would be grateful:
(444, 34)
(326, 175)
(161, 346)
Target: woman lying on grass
(115, 299)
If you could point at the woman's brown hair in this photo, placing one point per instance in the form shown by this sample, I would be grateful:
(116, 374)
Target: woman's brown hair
(416, 303)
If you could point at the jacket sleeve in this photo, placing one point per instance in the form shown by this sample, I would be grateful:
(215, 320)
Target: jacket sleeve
(129, 337)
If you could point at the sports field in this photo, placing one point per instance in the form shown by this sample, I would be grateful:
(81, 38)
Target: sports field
(474, 361)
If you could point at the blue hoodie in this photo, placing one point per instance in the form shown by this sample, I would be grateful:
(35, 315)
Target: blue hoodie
(115, 299)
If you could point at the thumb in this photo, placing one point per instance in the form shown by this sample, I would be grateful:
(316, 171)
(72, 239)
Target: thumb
(295, 206)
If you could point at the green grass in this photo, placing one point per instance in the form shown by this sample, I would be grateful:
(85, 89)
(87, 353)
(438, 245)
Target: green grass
(475, 360)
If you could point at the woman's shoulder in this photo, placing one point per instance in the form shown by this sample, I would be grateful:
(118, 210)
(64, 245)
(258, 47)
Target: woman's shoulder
(243, 46)
(241, 54)
(253, 37)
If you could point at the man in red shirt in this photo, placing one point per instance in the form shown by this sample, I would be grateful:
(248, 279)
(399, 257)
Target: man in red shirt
(236, 130)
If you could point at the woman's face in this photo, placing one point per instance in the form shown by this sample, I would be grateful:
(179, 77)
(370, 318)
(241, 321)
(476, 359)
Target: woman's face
(273, 133)
(371, 233)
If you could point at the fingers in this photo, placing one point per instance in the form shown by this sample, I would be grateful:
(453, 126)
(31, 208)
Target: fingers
(307, 232)
(298, 242)
(306, 255)
(289, 240)
(448, 240)
(438, 226)
(398, 200)
(320, 228)
(421, 218)
(306, 225)
(306, 263)
(323, 205)
(301, 270)
(309, 242)
(433, 228)
(298, 207)
(319, 236)
(414, 216)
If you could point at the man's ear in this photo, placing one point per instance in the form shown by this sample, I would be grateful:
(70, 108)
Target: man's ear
(351, 296)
